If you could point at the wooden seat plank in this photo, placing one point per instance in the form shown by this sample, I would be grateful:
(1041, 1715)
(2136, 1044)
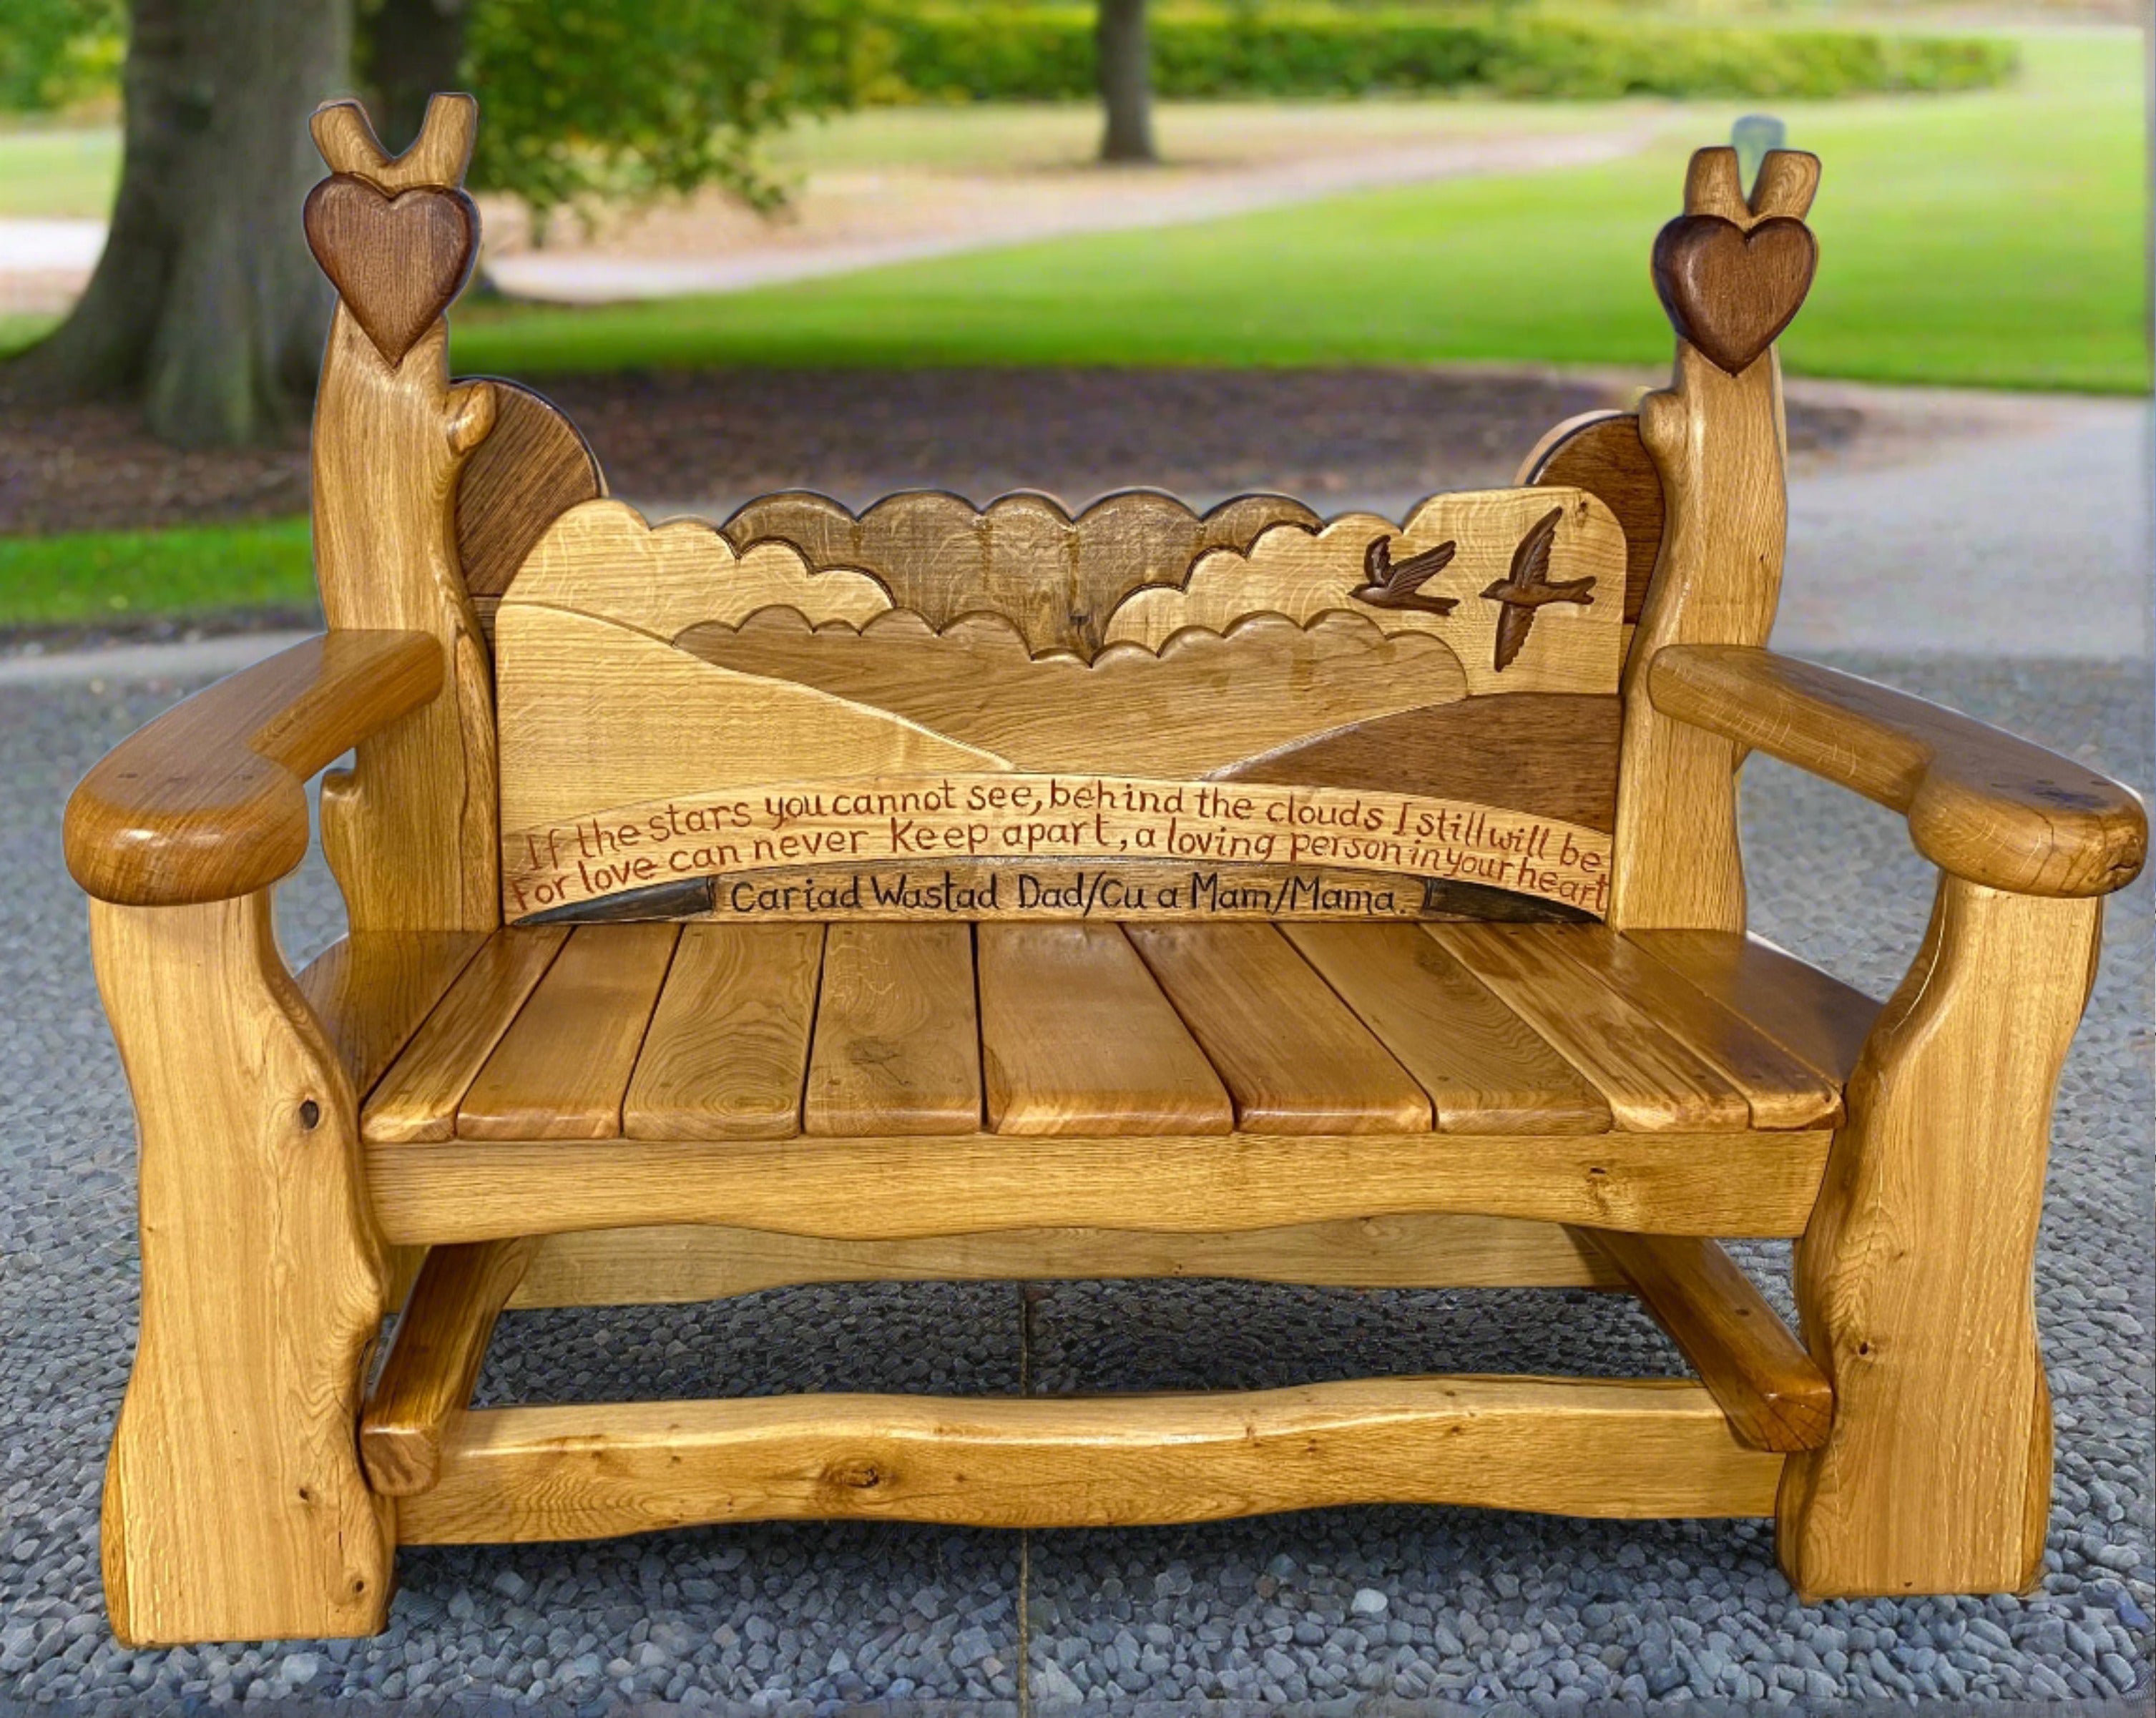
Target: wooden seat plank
(561, 1069)
(418, 1098)
(896, 1044)
(728, 1046)
(1076, 1038)
(1293, 1055)
(1651, 1080)
(1806, 1011)
(1486, 1070)
(1782, 1090)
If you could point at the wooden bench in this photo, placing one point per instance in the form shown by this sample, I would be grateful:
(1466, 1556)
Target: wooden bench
(959, 893)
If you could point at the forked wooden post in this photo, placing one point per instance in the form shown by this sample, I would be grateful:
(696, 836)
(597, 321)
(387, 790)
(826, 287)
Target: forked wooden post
(410, 832)
(1731, 274)
(1915, 1277)
(234, 1505)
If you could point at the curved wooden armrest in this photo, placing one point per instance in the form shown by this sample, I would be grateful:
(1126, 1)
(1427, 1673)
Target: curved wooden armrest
(208, 802)
(1981, 804)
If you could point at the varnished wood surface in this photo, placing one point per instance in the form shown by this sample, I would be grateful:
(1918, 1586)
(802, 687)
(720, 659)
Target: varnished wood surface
(1808, 1012)
(207, 802)
(434, 1360)
(1981, 803)
(683, 1262)
(1295, 1058)
(531, 469)
(1484, 1068)
(1775, 1396)
(396, 262)
(560, 1071)
(235, 1508)
(1734, 1183)
(418, 1099)
(1601, 452)
(1076, 1038)
(1914, 1279)
(728, 1047)
(1592, 1447)
(1782, 1089)
(1730, 288)
(372, 991)
(897, 1044)
(1649, 1078)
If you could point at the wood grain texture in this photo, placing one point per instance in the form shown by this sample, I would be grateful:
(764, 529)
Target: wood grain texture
(1055, 577)
(1731, 289)
(1981, 803)
(396, 262)
(374, 991)
(418, 1098)
(1746, 1183)
(1649, 1079)
(1575, 1446)
(1782, 1090)
(1302, 572)
(1720, 443)
(897, 1047)
(434, 1360)
(410, 832)
(1601, 452)
(1076, 1038)
(682, 1263)
(1806, 1011)
(560, 1071)
(208, 802)
(263, 1285)
(1485, 1069)
(1914, 1279)
(1775, 1397)
(728, 1046)
(1293, 1055)
(533, 468)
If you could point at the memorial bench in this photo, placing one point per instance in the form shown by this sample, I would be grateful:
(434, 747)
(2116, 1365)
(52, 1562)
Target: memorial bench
(950, 893)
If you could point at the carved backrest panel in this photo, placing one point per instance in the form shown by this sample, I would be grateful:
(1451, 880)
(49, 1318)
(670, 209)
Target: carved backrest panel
(1010, 712)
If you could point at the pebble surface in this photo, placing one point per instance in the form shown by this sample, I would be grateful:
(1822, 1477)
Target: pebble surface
(1390, 1609)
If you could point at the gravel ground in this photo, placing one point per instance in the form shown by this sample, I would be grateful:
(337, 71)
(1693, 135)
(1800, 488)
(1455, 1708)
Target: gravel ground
(1343, 1609)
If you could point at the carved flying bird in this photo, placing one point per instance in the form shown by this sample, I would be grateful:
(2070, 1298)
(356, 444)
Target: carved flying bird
(1528, 587)
(1386, 586)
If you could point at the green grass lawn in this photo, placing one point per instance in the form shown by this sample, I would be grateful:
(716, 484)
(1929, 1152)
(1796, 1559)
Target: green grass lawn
(89, 578)
(48, 171)
(1992, 239)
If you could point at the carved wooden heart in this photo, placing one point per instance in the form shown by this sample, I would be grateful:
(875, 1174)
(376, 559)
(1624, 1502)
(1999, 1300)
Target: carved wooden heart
(397, 262)
(1730, 292)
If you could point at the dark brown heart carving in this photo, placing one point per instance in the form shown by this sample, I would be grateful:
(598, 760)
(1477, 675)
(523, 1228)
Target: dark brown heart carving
(1730, 292)
(397, 262)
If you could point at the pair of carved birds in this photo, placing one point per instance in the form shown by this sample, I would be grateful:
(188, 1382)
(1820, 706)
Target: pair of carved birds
(1525, 590)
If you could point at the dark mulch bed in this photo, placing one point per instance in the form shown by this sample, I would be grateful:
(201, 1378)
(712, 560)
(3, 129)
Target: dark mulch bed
(687, 436)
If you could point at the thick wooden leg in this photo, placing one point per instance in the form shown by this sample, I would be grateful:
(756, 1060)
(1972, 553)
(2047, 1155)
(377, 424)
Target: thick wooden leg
(1914, 1277)
(235, 1506)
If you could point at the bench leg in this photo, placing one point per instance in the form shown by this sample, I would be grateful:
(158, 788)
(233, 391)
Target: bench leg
(1914, 1279)
(234, 1505)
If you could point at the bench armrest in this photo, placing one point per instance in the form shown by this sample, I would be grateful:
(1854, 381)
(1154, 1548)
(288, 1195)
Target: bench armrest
(1981, 804)
(208, 802)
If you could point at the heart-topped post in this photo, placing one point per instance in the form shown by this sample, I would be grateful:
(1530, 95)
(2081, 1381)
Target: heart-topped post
(1732, 272)
(409, 832)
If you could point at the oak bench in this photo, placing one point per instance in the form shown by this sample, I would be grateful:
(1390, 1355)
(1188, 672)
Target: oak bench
(955, 892)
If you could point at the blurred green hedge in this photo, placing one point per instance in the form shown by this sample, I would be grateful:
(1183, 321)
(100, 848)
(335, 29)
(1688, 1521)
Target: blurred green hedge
(990, 52)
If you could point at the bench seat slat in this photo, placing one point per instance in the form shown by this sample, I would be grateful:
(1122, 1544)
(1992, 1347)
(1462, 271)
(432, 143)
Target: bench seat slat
(561, 1069)
(1296, 1059)
(897, 1048)
(1810, 1013)
(1076, 1038)
(418, 1098)
(1651, 1080)
(728, 1046)
(1485, 1069)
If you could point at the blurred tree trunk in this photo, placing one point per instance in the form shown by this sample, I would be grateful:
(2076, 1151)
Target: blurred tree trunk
(206, 303)
(409, 50)
(1126, 58)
